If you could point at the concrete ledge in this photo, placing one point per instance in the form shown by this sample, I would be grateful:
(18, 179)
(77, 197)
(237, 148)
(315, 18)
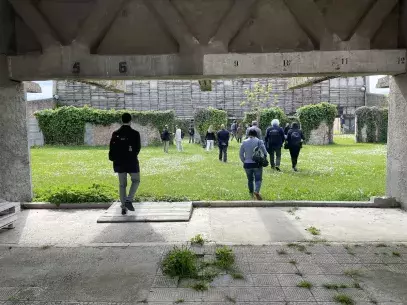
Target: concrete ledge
(328, 204)
(376, 202)
(65, 206)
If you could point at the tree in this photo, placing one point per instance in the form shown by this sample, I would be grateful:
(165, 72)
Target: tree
(257, 98)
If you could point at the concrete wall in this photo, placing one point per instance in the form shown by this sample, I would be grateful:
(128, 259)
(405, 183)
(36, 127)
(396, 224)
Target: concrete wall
(379, 100)
(35, 136)
(321, 136)
(185, 96)
(15, 171)
(397, 141)
(98, 135)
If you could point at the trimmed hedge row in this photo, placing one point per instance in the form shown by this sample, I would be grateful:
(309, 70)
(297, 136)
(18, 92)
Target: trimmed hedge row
(266, 116)
(66, 125)
(376, 121)
(311, 117)
(207, 117)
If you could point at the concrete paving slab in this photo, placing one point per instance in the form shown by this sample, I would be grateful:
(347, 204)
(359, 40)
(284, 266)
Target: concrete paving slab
(148, 212)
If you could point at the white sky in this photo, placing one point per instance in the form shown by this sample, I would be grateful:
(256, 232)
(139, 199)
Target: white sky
(46, 87)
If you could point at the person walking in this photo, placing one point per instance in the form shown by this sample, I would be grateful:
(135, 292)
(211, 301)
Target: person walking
(287, 128)
(233, 130)
(254, 171)
(255, 127)
(223, 143)
(295, 138)
(210, 139)
(165, 137)
(239, 133)
(124, 148)
(178, 138)
(274, 141)
(191, 132)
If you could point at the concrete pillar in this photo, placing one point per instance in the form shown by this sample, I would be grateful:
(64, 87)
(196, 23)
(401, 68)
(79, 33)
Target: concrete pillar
(15, 171)
(397, 140)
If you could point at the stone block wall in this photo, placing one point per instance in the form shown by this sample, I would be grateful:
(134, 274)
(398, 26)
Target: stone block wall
(98, 135)
(35, 136)
(321, 136)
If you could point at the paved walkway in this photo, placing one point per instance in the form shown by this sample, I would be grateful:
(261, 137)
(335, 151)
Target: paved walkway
(64, 257)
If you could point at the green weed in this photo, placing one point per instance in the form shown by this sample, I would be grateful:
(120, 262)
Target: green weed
(344, 299)
(198, 240)
(314, 231)
(305, 284)
(180, 262)
(200, 286)
(225, 257)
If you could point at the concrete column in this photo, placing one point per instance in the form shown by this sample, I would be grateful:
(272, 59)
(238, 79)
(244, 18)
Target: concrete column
(15, 171)
(397, 140)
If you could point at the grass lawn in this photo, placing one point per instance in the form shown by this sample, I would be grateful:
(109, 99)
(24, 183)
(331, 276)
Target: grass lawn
(343, 171)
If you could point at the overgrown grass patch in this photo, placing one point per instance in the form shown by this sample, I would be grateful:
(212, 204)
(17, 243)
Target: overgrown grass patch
(181, 262)
(314, 230)
(344, 299)
(305, 284)
(327, 173)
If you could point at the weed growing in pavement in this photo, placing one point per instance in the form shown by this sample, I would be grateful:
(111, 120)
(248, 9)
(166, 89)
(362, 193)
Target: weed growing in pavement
(181, 262)
(237, 275)
(305, 284)
(298, 273)
(179, 301)
(381, 246)
(292, 210)
(200, 286)
(198, 240)
(314, 231)
(298, 247)
(225, 258)
(395, 253)
(344, 299)
(281, 252)
(352, 272)
(293, 262)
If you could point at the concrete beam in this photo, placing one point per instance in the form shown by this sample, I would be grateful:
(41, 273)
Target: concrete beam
(41, 28)
(85, 66)
(6, 28)
(302, 82)
(233, 22)
(309, 19)
(306, 63)
(375, 18)
(174, 23)
(98, 23)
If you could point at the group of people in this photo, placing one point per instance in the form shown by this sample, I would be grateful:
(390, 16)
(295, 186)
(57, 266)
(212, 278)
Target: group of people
(125, 145)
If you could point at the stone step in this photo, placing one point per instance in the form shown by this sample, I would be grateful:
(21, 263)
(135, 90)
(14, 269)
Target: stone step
(149, 212)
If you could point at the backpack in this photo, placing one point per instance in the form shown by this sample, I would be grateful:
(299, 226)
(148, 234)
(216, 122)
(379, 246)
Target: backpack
(296, 137)
(121, 148)
(259, 157)
(274, 136)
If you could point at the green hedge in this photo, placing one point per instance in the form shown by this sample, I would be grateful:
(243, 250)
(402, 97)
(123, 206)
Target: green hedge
(66, 125)
(266, 116)
(376, 121)
(207, 117)
(311, 117)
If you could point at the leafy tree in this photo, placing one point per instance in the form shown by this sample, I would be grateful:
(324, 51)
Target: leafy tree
(258, 98)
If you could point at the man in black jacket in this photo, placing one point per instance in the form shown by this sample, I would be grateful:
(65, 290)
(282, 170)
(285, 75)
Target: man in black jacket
(165, 137)
(274, 141)
(125, 146)
(223, 143)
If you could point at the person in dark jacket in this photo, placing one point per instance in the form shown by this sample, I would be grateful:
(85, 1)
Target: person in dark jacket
(166, 137)
(254, 126)
(124, 148)
(210, 139)
(274, 141)
(287, 128)
(295, 138)
(223, 143)
(191, 132)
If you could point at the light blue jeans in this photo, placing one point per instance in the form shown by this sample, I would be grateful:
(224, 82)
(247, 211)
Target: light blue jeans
(254, 179)
(135, 182)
